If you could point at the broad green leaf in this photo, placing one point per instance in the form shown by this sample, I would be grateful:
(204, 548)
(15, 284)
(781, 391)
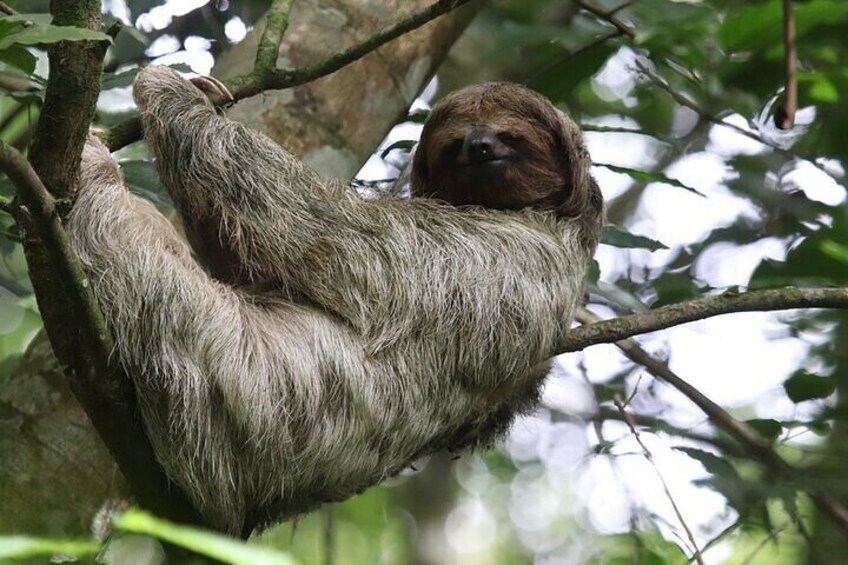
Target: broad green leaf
(714, 464)
(769, 429)
(202, 542)
(129, 45)
(618, 237)
(39, 35)
(806, 386)
(23, 547)
(20, 58)
(29, 19)
(834, 250)
(648, 177)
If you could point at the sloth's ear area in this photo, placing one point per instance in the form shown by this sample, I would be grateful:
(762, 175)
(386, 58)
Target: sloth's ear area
(584, 196)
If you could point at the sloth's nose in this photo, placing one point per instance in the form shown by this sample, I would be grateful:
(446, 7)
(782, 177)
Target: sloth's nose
(479, 146)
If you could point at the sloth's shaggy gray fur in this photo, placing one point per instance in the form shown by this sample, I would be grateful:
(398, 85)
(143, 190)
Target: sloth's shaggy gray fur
(351, 336)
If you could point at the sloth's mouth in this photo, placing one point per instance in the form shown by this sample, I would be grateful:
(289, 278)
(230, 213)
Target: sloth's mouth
(486, 161)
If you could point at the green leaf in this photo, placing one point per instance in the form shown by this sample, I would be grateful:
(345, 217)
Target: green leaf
(20, 58)
(22, 547)
(29, 19)
(834, 250)
(202, 542)
(648, 177)
(714, 464)
(39, 35)
(806, 386)
(769, 429)
(129, 45)
(618, 237)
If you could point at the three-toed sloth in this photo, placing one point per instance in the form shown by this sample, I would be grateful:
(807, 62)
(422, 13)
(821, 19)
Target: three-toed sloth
(329, 341)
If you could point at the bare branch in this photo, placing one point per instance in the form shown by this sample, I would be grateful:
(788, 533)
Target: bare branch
(69, 101)
(784, 118)
(610, 331)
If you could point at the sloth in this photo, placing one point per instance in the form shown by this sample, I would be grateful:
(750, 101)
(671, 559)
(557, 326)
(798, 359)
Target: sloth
(308, 343)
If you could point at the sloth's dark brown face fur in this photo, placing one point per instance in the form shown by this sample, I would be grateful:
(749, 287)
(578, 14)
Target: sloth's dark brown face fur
(501, 146)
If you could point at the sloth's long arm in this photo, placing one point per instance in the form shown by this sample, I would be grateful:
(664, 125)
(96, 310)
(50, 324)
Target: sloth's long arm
(385, 266)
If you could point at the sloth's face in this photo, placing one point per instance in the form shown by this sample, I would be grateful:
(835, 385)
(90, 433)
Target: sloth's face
(495, 145)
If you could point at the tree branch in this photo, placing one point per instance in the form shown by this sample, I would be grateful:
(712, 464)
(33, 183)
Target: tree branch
(784, 118)
(276, 24)
(274, 79)
(70, 98)
(267, 77)
(610, 331)
(72, 319)
(609, 17)
(751, 441)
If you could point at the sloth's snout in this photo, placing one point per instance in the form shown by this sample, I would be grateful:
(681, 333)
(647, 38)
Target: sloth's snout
(481, 146)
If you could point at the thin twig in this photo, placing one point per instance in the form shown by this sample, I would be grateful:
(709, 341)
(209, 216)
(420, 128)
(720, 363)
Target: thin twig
(722, 443)
(650, 458)
(276, 24)
(784, 118)
(621, 7)
(609, 17)
(6, 9)
(788, 298)
(329, 534)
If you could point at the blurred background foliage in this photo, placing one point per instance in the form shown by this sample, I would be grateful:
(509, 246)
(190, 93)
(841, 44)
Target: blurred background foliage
(694, 207)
